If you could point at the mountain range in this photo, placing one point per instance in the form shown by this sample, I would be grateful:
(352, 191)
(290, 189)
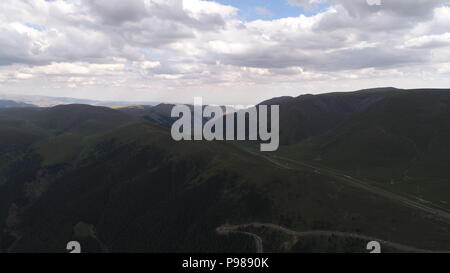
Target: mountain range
(353, 167)
(46, 101)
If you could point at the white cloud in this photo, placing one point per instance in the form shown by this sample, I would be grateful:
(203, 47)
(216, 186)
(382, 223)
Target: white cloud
(196, 46)
(429, 41)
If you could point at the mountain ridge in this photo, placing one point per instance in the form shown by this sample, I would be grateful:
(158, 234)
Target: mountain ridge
(125, 180)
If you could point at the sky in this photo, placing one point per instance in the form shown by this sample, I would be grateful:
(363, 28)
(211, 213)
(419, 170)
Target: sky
(226, 51)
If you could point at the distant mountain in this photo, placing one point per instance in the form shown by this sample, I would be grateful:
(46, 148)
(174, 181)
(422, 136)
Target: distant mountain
(160, 114)
(45, 101)
(117, 183)
(11, 104)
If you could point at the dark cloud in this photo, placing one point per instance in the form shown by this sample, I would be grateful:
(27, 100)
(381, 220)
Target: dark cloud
(116, 12)
(418, 9)
(345, 59)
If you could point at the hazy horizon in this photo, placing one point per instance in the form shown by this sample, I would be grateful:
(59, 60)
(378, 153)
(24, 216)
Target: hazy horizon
(24, 97)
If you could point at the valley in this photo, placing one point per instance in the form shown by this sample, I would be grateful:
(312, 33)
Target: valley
(115, 180)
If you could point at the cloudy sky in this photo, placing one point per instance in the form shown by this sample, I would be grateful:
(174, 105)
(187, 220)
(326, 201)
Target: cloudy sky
(228, 51)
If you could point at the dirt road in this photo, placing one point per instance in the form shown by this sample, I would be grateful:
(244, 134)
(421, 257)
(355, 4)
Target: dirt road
(238, 229)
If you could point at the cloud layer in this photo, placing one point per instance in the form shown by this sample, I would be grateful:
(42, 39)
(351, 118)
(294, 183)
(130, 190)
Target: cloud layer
(174, 49)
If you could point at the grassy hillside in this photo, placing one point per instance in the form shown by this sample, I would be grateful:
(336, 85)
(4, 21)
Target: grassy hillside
(401, 142)
(116, 183)
(159, 115)
(308, 116)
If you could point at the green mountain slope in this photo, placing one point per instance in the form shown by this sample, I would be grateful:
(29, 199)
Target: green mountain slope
(400, 141)
(116, 183)
(308, 116)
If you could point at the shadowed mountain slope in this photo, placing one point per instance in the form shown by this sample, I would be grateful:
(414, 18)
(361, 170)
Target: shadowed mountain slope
(129, 187)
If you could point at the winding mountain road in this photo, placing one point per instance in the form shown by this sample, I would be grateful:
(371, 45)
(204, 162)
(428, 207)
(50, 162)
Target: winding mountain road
(291, 164)
(225, 230)
(237, 229)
